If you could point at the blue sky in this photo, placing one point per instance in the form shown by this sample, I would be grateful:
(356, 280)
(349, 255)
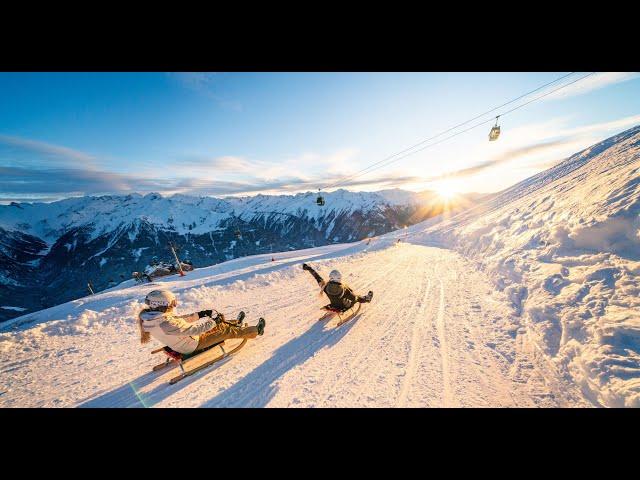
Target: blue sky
(68, 134)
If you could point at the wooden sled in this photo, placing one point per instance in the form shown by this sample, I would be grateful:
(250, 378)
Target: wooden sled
(343, 315)
(190, 364)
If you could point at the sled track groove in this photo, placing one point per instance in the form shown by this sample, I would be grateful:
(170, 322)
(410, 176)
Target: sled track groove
(447, 394)
(375, 334)
(385, 334)
(395, 335)
(378, 336)
(416, 341)
(247, 396)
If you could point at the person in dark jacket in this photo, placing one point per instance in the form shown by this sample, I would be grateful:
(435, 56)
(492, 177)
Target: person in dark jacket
(340, 295)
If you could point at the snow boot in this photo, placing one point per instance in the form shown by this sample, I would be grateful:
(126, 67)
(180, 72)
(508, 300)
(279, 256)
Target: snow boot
(367, 298)
(261, 324)
(238, 321)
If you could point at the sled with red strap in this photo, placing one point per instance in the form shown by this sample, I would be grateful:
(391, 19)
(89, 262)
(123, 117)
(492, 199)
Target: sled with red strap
(190, 363)
(343, 315)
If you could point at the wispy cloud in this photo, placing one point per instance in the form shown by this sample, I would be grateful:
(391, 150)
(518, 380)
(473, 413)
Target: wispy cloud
(23, 149)
(603, 127)
(547, 144)
(33, 169)
(206, 84)
(54, 183)
(21, 180)
(337, 164)
(506, 157)
(223, 164)
(289, 184)
(6, 199)
(594, 82)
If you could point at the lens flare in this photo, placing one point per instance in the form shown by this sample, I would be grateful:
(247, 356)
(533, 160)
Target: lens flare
(445, 190)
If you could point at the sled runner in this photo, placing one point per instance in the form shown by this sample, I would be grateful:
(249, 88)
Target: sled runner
(190, 364)
(343, 315)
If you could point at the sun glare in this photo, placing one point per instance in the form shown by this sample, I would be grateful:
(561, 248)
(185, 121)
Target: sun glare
(445, 191)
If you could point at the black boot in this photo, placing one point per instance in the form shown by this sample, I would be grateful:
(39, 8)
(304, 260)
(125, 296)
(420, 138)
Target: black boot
(261, 324)
(368, 297)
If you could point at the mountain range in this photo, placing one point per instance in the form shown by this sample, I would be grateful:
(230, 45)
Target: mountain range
(49, 252)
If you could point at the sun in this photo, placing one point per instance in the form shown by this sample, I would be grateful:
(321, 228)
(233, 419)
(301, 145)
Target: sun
(445, 190)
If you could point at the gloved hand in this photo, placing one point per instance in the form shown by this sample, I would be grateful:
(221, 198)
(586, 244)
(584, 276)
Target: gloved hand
(205, 313)
(306, 267)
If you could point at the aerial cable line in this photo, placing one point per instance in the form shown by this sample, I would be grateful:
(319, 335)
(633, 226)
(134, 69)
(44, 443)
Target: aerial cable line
(458, 125)
(476, 125)
(365, 170)
(409, 151)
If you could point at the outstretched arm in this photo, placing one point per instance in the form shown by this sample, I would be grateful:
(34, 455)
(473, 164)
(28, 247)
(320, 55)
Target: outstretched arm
(196, 316)
(315, 274)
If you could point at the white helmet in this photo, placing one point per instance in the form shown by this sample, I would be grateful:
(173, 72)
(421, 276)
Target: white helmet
(160, 298)
(335, 276)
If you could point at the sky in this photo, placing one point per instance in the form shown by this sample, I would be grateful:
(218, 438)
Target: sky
(71, 134)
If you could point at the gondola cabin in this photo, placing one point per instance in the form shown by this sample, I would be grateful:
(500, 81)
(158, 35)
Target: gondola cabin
(495, 132)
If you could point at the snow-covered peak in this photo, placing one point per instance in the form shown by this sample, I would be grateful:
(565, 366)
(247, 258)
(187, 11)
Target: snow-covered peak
(181, 213)
(304, 204)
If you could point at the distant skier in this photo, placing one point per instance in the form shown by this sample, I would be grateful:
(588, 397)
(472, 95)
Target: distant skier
(188, 333)
(340, 295)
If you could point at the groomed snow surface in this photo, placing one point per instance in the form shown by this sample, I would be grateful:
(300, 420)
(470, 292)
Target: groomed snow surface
(529, 299)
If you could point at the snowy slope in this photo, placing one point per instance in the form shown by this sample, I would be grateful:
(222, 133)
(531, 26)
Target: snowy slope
(424, 341)
(564, 245)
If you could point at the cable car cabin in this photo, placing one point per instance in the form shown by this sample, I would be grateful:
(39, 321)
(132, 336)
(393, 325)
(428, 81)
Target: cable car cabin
(494, 133)
(320, 201)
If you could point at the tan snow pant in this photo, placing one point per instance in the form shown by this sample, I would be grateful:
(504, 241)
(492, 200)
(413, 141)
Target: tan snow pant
(224, 331)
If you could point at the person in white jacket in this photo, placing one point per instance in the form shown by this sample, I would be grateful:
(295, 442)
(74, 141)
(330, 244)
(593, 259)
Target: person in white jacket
(190, 333)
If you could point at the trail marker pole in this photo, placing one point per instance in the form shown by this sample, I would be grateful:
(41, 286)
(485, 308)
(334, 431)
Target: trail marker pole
(173, 250)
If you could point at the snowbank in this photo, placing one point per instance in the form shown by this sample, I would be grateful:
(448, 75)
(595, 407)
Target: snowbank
(565, 247)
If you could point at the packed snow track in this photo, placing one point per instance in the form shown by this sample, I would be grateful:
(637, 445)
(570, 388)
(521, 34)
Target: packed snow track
(437, 334)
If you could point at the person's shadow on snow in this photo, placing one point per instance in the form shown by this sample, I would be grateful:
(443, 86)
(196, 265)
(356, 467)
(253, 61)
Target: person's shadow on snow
(258, 387)
(253, 390)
